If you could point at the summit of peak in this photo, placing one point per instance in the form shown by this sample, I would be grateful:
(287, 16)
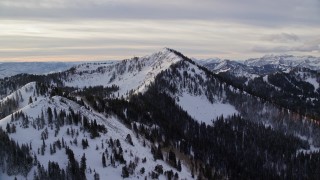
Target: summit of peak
(166, 50)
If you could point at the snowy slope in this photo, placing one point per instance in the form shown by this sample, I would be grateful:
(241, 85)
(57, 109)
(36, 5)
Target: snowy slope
(194, 94)
(22, 94)
(309, 77)
(201, 109)
(115, 130)
(198, 105)
(313, 81)
(130, 75)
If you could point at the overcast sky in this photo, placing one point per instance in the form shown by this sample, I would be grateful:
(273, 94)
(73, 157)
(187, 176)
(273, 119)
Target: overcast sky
(60, 30)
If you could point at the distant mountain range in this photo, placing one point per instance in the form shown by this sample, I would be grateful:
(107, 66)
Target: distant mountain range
(264, 65)
(8, 69)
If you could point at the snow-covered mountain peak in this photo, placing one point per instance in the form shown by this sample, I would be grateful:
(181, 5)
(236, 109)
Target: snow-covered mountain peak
(130, 75)
(164, 57)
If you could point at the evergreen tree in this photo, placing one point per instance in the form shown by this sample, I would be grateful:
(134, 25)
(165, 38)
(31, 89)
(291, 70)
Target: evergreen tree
(103, 161)
(179, 165)
(83, 164)
(8, 128)
(125, 172)
(50, 115)
(30, 100)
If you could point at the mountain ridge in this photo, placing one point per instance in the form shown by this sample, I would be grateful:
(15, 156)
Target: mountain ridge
(133, 74)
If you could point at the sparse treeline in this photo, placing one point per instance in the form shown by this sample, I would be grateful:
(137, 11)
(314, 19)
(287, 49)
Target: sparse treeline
(15, 159)
(11, 104)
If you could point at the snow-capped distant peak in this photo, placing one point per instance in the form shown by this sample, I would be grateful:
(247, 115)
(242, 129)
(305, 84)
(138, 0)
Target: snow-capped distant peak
(207, 61)
(310, 62)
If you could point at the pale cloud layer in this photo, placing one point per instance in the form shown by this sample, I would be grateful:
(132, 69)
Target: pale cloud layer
(115, 29)
(282, 37)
